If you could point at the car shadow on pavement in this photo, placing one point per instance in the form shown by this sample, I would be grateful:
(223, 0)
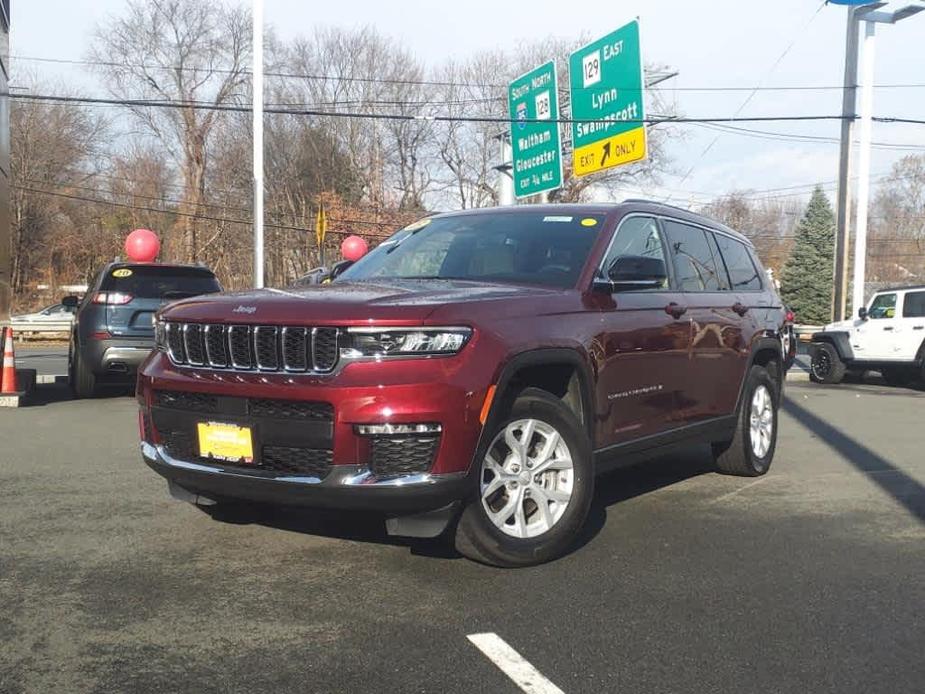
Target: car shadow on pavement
(643, 478)
(612, 488)
(903, 488)
(342, 525)
(52, 393)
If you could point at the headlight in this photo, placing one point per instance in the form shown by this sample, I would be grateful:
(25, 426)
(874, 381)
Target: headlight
(160, 335)
(395, 342)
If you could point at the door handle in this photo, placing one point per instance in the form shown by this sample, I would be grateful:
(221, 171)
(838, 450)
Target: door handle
(740, 308)
(675, 310)
(888, 327)
(918, 327)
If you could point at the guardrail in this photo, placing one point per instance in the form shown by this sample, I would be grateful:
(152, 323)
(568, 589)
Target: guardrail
(32, 329)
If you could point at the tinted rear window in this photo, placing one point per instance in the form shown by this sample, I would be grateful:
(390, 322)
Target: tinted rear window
(158, 282)
(742, 271)
(697, 269)
(914, 305)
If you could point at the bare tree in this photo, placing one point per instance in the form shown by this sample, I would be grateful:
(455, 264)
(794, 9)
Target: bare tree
(190, 52)
(53, 155)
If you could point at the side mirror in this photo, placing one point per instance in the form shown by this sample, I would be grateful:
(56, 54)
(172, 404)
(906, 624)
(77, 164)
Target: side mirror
(70, 302)
(339, 267)
(631, 272)
(862, 313)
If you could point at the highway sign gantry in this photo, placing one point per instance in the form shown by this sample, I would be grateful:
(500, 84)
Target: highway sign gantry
(608, 102)
(537, 151)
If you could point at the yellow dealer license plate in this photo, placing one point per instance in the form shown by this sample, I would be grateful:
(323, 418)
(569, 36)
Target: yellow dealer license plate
(228, 442)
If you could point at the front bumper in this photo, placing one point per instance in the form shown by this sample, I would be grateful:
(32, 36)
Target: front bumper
(349, 487)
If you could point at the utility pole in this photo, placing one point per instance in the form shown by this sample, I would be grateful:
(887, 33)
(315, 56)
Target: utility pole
(867, 112)
(872, 14)
(843, 204)
(257, 87)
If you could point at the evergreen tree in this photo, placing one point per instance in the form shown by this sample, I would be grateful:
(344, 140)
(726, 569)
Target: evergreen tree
(807, 279)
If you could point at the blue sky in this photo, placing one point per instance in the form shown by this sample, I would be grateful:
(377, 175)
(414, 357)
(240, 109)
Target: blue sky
(718, 44)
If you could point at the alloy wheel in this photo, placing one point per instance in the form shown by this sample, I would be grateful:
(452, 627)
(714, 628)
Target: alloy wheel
(527, 478)
(761, 421)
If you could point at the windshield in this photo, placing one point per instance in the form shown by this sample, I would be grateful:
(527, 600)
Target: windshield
(160, 281)
(522, 248)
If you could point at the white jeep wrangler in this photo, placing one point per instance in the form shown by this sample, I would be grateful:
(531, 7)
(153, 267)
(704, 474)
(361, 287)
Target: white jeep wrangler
(887, 336)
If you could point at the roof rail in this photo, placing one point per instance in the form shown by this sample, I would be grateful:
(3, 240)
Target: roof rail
(662, 204)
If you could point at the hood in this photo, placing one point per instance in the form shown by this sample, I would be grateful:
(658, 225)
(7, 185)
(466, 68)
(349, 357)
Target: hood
(394, 302)
(842, 325)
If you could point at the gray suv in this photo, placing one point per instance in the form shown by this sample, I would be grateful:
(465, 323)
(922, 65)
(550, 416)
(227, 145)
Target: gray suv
(114, 324)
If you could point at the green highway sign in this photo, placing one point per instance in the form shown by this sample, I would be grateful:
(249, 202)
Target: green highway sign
(537, 151)
(608, 102)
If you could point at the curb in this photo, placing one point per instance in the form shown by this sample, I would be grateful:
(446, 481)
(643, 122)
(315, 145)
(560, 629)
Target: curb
(797, 376)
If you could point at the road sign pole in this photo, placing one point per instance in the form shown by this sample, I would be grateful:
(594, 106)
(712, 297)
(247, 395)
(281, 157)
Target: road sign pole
(867, 107)
(843, 204)
(257, 14)
(505, 178)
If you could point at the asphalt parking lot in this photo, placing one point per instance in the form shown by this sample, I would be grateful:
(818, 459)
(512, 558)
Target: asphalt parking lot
(807, 580)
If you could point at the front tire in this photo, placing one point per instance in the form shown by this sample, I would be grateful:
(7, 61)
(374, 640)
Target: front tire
(750, 451)
(826, 366)
(533, 486)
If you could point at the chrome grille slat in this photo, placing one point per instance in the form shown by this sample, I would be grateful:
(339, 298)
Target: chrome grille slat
(257, 348)
(239, 346)
(216, 345)
(175, 349)
(192, 342)
(266, 348)
(294, 343)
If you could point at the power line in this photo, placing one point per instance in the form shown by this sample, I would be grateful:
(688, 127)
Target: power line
(149, 103)
(439, 83)
(226, 220)
(796, 137)
(754, 91)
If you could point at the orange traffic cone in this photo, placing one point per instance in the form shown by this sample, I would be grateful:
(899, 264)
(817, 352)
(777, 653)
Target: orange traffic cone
(8, 379)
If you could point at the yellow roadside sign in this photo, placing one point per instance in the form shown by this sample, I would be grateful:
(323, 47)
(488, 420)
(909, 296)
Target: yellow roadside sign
(624, 148)
(321, 225)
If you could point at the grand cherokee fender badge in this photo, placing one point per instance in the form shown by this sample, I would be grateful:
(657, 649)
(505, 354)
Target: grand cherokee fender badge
(245, 309)
(635, 391)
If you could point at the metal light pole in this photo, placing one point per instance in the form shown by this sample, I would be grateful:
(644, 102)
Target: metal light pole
(867, 112)
(872, 16)
(843, 204)
(257, 88)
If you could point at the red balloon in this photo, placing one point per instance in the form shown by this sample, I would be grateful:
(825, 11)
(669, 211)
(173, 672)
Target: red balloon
(353, 248)
(142, 246)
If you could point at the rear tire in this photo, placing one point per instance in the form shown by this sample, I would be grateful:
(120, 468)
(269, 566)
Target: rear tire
(750, 451)
(82, 380)
(530, 499)
(826, 366)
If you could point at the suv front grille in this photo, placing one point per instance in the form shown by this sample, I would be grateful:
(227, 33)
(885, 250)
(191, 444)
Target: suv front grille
(254, 347)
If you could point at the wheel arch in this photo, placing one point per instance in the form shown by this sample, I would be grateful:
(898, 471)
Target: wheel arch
(764, 351)
(839, 340)
(563, 372)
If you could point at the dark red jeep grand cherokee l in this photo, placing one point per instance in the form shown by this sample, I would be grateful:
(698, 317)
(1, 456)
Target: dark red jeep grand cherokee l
(473, 373)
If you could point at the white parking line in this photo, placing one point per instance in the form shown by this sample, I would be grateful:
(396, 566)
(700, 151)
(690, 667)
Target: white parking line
(512, 664)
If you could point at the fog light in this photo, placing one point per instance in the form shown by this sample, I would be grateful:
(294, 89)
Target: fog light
(396, 429)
